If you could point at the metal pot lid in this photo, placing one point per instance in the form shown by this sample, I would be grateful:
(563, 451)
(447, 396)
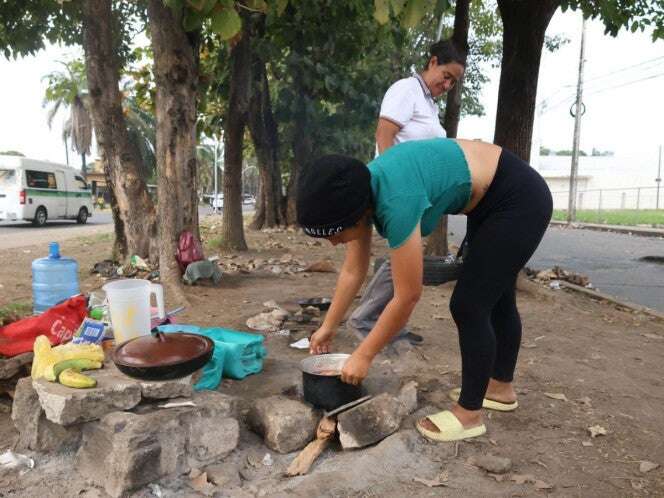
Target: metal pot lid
(159, 349)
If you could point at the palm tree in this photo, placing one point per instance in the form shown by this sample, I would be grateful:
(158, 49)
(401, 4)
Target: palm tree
(141, 126)
(69, 89)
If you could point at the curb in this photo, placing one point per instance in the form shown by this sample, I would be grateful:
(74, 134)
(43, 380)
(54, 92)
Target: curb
(629, 230)
(605, 297)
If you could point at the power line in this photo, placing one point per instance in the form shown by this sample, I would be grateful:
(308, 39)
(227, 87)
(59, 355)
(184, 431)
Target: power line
(595, 92)
(625, 68)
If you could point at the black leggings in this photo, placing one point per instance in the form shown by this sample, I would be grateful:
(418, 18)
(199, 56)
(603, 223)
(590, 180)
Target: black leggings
(504, 230)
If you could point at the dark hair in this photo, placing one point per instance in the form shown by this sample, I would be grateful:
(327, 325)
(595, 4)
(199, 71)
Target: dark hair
(446, 51)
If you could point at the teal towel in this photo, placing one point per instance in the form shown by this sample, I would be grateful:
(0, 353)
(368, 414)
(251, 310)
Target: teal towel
(236, 354)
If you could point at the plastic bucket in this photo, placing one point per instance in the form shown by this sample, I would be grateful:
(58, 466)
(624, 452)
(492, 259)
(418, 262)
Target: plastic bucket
(129, 307)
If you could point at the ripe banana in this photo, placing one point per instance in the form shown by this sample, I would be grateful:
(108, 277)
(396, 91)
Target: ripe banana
(71, 378)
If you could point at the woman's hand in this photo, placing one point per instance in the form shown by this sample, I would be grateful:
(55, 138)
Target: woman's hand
(355, 369)
(320, 341)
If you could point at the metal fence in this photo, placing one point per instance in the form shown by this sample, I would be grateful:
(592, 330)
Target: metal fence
(634, 198)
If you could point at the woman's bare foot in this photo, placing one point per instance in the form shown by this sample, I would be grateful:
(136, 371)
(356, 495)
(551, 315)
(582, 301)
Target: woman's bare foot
(502, 392)
(468, 418)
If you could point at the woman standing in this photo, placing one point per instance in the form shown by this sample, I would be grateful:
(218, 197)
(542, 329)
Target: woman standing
(403, 193)
(408, 112)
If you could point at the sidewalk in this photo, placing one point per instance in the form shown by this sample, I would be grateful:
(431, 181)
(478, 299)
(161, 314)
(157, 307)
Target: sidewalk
(630, 230)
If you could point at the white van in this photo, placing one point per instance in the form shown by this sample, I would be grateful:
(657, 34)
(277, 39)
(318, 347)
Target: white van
(39, 190)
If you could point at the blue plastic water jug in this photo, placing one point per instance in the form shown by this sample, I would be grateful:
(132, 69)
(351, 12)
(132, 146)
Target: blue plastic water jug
(53, 279)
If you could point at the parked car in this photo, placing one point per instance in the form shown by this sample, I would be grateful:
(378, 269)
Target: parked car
(37, 191)
(248, 199)
(217, 202)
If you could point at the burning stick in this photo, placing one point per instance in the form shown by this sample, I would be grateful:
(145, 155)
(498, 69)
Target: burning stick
(303, 461)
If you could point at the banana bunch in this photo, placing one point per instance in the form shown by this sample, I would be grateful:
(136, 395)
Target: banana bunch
(64, 363)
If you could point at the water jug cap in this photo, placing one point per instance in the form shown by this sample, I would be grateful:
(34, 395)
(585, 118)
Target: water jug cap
(54, 250)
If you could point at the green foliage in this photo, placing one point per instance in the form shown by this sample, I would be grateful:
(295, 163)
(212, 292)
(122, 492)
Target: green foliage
(632, 15)
(27, 25)
(11, 153)
(14, 312)
(630, 217)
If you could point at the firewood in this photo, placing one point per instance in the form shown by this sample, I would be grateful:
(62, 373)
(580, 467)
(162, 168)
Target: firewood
(324, 434)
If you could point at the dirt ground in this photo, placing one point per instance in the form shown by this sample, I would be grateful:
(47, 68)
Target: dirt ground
(583, 364)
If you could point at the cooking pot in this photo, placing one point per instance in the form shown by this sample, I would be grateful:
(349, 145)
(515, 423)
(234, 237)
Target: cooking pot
(323, 387)
(162, 356)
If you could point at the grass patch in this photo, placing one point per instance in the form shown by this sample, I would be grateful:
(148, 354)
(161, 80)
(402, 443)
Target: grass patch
(100, 237)
(615, 217)
(214, 243)
(13, 312)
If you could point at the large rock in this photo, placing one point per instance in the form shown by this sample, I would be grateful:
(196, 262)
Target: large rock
(166, 389)
(9, 367)
(115, 391)
(65, 406)
(370, 422)
(408, 397)
(212, 432)
(125, 451)
(35, 431)
(285, 424)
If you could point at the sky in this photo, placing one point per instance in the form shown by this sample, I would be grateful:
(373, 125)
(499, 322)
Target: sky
(624, 110)
(623, 114)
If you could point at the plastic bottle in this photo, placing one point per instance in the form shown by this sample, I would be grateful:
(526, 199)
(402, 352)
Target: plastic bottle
(54, 279)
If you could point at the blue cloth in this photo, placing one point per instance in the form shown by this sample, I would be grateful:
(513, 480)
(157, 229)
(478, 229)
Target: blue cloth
(236, 354)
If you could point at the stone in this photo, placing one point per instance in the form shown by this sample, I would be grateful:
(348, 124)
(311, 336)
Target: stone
(224, 475)
(65, 406)
(124, 450)
(286, 425)
(369, 422)
(492, 463)
(166, 389)
(35, 431)
(9, 367)
(212, 432)
(408, 397)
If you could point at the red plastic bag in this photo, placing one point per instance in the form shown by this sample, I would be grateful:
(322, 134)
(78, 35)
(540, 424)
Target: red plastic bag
(58, 323)
(189, 250)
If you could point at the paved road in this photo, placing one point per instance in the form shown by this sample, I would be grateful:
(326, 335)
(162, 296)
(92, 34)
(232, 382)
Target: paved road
(611, 260)
(21, 233)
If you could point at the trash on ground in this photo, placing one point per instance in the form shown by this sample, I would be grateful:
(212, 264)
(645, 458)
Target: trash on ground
(301, 344)
(268, 322)
(177, 404)
(597, 430)
(10, 460)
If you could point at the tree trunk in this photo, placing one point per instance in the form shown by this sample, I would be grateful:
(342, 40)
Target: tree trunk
(133, 210)
(437, 243)
(263, 130)
(524, 26)
(302, 152)
(176, 79)
(232, 230)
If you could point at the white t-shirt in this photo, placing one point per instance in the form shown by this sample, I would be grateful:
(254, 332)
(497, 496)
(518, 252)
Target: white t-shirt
(408, 104)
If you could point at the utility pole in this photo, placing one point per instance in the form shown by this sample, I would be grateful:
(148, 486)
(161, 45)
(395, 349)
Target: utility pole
(659, 176)
(571, 209)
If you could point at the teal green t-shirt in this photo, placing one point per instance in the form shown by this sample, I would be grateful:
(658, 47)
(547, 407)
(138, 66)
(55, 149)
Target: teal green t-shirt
(418, 182)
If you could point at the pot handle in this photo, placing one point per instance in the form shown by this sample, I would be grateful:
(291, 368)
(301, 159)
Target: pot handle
(157, 334)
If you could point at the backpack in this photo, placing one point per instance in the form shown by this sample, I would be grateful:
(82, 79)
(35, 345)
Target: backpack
(189, 250)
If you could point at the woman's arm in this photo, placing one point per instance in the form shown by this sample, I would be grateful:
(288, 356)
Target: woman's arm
(352, 275)
(386, 131)
(407, 276)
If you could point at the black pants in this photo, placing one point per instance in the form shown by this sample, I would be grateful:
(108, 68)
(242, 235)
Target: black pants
(504, 230)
